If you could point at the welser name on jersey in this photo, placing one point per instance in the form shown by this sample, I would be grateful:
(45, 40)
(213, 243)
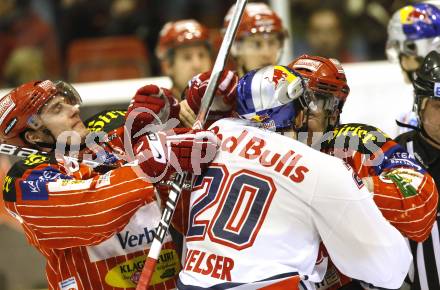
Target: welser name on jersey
(216, 266)
(254, 148)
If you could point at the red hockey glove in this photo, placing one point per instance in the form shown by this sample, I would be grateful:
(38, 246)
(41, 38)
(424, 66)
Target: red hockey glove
(224, 97)
(151, 104)
(180, 150)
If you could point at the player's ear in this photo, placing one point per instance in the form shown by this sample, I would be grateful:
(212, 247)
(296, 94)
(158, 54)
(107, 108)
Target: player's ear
(33, 136)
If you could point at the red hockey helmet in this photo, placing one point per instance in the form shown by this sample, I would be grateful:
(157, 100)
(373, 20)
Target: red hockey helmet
(257, 18)
(324, 76)
(19, 109)
(178, 33)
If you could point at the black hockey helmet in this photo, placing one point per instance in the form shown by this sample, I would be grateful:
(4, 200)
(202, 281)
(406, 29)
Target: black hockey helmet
(427, 81)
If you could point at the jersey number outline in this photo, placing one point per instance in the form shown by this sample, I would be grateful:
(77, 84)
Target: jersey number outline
(243, 200)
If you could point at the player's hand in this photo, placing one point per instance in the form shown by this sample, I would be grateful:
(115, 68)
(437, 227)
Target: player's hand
(225, 95)
(186, 114)
(180, 150)
(155, 105)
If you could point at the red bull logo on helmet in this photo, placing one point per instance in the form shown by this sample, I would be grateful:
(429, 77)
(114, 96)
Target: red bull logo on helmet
(411, 15)
(281, 74)
(278, 75)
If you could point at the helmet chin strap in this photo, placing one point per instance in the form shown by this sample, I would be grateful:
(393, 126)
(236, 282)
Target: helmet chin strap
(418, 129)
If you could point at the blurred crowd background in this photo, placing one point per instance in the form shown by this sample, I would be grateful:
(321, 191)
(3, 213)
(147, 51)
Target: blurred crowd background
(80, 41)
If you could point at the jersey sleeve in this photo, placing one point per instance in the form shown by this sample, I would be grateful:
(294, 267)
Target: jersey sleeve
(360, 242)
(404, 192)
(67, 211)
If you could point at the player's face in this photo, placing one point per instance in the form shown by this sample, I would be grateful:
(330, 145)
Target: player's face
(59, 116)
(317, 120)
(324, 34)
(258, 50)
(188, 62)
(430, 118)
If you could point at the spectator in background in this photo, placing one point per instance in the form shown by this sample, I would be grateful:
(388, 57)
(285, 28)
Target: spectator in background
(81, 19)
(29, 48)
(24, 64)
(325, 35)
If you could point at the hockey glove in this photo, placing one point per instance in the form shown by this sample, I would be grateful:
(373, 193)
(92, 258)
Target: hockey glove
(181, 149)
(225, 95)
(151, 105)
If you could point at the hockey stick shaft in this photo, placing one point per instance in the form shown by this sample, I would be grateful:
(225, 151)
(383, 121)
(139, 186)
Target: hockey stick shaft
(177, 185)
(22, 152)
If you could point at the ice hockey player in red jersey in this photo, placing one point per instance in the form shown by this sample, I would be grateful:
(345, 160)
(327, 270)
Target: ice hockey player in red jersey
(93, 225)
(258, 213)
(184, 49)
(260, 37)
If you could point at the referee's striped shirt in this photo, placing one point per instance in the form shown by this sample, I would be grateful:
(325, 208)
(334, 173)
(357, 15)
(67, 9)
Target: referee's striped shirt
(425, 274)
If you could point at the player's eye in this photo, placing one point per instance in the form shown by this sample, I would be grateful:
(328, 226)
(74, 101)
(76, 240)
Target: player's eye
(59, 106)
(203, 54)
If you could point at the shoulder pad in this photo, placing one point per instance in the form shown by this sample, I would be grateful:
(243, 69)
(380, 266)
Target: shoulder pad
(360, 137)
(106, 121)
(406, 137)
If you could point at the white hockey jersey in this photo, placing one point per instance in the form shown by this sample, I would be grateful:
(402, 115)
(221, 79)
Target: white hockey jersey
(259, 212)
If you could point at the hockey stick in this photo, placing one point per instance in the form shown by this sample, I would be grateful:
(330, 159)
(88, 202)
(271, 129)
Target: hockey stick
(177, 185)
(22, 152)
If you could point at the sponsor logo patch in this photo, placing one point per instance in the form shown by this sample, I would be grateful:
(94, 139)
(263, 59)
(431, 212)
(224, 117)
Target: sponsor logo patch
(6, 106)
(437, 89)
(309, 64)
(103, 180)
(34, 190)
(10, 125)
(126, 274)
(69, 284)
(69, 184)
(7, 184)
(35, 159)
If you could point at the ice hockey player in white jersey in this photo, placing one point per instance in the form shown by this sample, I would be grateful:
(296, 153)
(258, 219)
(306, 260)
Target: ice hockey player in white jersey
(260, 210)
